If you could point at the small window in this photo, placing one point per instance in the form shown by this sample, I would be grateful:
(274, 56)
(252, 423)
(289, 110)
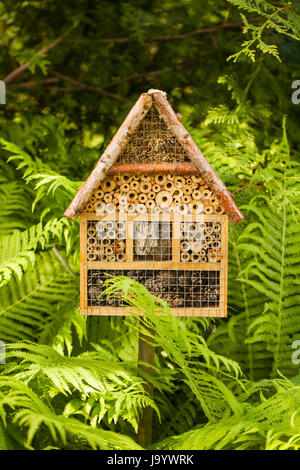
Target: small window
(152, 241)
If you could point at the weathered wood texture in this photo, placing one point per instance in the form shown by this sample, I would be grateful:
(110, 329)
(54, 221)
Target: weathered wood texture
(154, 168)
(110, 155)
(213, 181)
(146, 355)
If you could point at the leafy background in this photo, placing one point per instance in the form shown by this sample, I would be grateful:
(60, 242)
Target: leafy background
(72, 71)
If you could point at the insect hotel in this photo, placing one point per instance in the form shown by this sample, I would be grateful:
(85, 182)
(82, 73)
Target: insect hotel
(154, 210)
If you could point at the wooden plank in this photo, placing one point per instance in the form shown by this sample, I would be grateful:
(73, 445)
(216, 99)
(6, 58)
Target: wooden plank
(146, 354)
(184, 312)
(83, 273)
(160, 265)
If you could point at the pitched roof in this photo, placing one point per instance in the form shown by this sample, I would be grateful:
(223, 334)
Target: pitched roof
(121, 139)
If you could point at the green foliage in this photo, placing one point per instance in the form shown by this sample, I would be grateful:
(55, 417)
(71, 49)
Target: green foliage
(72, 382)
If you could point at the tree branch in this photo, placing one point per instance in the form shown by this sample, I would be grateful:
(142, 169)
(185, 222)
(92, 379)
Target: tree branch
(84, 86)
(248, 186)
(175, 37)
(20, 70)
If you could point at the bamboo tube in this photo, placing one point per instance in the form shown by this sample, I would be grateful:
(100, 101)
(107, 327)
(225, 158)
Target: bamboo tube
(214, 201)
(132, 196)
(92, 241)
(103, 257)
(216, 235)
(197, 207)
(196, 194)
(145, 187)
(155, 209)
(99, 251)
(178, 193)
(150, 203)
(122, 200)
(89, 207)
(169, 186)
(110, 225)
(99, 194)
(92, 199)
(101, 235)
(216, 244)
(219, 210)
(90, 248)
(136, 177)
(185, 257)
(119, 246)
(105, 242)
(146, 178)
(217, 226)
(163, 199)
(208, 209)
(197, 179)
(108, 185)
(198, 236)
(109, 250)
(195, 257)
(110, 208)
(121, 225)
(208, 230)
(99, 208)
(151, 195)
(186, 199)
(125, 179)
(143, 198)
(185, 246)
(131, 209)
(141, 208)
(125, 187)
(91, 232)
(179, 181)
(206, 193)
(135, 186)
(187, 190)
(181, 209)
(156, 188)
(107, 198)
(196, 246)
(203, 259)
(160, 179)
(91, 257)
(111, 258)
(120, 257)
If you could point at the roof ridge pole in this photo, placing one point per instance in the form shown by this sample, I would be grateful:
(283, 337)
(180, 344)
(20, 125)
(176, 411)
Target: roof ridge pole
(111, 154)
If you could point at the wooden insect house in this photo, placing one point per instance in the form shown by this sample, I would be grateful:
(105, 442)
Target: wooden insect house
(154, 210)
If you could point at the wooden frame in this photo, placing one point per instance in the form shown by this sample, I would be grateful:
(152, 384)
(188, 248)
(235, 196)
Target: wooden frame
(174, 264)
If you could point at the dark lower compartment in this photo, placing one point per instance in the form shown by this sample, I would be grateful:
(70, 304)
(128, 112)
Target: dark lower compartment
(180, 289)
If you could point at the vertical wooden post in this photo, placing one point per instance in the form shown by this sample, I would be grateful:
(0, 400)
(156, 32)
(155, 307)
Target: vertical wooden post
(146, 354)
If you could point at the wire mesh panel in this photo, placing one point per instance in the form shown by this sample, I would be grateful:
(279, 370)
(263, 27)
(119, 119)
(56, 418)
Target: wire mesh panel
(153, 142)
(152, 241)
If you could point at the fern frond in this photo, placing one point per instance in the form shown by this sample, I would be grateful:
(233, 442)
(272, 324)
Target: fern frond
(18, 249)
(28, 305)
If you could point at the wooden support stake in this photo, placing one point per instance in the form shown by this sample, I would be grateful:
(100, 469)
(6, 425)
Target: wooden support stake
(146, 354)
